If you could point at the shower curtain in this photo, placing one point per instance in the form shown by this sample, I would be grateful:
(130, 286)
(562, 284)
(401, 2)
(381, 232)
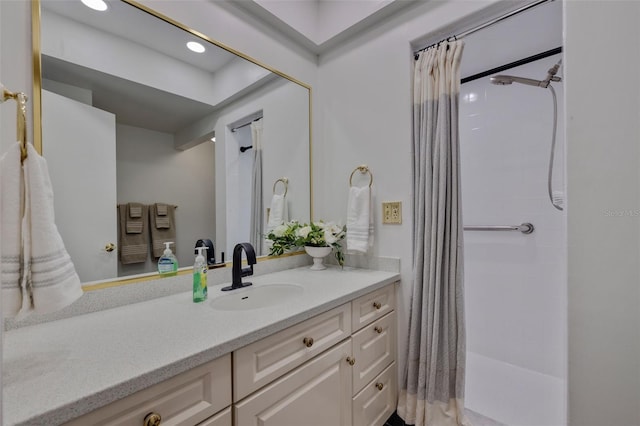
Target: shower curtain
(256, 230)
(432, 387)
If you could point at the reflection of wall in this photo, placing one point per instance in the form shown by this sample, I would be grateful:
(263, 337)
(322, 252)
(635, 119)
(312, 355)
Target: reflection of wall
(150, 170)
(285, 149)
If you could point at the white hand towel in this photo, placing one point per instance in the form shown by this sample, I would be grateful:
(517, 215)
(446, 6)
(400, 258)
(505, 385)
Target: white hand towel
(359, 220)
(278, 213)
(48, 279)
(11, 212)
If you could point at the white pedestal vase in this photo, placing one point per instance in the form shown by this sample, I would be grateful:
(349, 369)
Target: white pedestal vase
(318, 254)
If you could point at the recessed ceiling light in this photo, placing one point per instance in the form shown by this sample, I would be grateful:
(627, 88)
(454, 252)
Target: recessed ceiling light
(195, 46)
(213, 139)
(99, 5)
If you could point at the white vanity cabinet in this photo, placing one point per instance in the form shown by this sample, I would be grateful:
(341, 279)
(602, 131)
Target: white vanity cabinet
(200, 396)
(337, 368)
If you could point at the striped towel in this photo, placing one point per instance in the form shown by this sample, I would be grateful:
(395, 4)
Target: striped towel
(133, 247)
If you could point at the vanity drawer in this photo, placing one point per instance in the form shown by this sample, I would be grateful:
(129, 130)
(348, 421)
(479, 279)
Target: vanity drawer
(374, 348)
(263, 361)
(372, 306)
(377, 401)
(186, 399)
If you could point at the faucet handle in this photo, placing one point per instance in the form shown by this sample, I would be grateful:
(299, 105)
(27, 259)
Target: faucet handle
(245, 272)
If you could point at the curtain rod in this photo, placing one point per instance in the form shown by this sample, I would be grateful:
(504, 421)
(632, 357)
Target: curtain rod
(485, 25)
(245, 124)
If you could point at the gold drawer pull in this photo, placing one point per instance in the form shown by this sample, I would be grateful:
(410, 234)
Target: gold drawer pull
(377, 305)
(351, 361)
(308, 341)
(378, 329)
(109, 247)
(380, 386)
(152, 419)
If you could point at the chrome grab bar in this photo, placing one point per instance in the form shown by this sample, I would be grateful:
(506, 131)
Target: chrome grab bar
(525, 228)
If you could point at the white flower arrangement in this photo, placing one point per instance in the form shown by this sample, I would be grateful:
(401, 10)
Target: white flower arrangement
(293, 234)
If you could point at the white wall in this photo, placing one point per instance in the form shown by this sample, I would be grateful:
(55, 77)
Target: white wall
(150, 170)
(602, 94)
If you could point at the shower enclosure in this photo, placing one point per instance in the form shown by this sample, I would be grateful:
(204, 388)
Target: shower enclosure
(515, 283)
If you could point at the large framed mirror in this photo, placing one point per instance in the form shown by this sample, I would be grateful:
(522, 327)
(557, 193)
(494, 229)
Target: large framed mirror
(128, 116)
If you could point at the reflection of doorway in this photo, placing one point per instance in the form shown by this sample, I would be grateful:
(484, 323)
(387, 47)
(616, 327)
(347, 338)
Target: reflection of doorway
(81, 154)
(239, 180)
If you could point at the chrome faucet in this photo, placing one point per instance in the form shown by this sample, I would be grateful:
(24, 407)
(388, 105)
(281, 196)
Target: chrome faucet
(237, 272)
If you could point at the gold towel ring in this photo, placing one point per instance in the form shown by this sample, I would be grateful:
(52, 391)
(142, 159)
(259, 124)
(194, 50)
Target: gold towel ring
(362, 169)
(285, 182)
(21, 100)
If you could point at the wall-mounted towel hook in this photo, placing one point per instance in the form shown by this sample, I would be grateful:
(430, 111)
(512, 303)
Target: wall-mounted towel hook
(21, 100)
(285, 182)
(363, 168)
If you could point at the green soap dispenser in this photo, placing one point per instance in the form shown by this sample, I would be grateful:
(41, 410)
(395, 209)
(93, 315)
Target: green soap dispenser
(200, 269)
(168, 263)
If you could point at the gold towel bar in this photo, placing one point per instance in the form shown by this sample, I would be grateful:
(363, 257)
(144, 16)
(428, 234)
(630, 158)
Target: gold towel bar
(285, 182)
(21, 100)
(362, 169)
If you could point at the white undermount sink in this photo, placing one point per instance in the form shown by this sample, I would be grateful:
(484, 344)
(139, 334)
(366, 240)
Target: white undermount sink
(256, 297)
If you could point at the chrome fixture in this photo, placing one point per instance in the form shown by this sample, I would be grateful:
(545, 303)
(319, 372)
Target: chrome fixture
(525, 228)
(237, 272)
(503, 80)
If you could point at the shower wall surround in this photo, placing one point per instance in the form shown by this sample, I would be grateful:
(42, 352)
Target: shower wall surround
(514, 283)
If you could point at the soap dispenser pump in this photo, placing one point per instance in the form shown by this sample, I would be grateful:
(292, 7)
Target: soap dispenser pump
(168, 263)
(200, 269)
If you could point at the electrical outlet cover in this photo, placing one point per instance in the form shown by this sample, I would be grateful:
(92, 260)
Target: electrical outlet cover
(392, 212)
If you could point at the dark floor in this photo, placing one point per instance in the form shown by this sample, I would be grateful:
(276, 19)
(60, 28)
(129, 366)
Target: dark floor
(476, 419)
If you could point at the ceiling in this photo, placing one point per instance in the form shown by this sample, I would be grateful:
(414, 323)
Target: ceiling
(320, 25)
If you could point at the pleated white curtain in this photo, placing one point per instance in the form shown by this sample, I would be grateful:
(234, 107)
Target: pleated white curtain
(432, 387)
(257, 204)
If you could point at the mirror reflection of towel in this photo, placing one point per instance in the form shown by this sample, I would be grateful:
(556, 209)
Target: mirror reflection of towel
(134, 218)
(278, 212)
(133, 247)
(163, 227)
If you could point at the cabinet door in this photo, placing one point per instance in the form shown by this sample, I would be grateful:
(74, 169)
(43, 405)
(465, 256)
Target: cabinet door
(317, 393)
(374, 348)
(377, 401)
(223, 418)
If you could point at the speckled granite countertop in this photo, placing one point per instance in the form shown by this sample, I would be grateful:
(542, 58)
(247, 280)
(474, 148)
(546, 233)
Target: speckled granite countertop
(56, 371)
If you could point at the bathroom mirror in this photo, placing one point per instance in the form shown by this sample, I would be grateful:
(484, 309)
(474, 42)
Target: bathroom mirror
(126, 113)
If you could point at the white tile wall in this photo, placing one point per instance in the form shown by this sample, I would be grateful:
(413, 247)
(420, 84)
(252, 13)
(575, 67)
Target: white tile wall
(514, 283)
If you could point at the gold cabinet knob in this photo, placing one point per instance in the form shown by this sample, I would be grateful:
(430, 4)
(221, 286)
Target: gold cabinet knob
(109, 247)
(377, 305)
(152, 419)
(378, 329)
(380, 386)
(308, 341)
(351, 361)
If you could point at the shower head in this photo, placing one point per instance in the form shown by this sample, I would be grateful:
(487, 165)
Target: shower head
(503, 80)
